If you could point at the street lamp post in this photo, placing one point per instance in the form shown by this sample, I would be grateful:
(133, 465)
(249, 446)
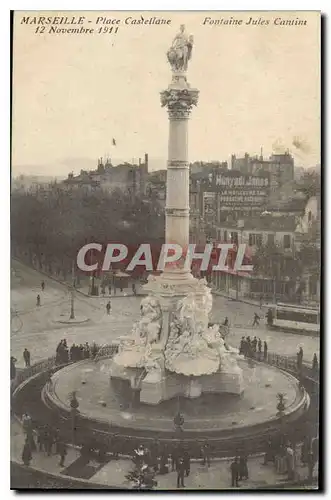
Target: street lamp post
(72, 305)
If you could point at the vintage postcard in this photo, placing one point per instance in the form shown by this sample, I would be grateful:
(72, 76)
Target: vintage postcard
(166, 250)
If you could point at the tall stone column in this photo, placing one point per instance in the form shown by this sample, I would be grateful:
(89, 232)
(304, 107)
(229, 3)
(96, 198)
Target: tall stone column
(179, 98)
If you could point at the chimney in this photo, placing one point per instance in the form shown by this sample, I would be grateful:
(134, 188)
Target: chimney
(146, 161)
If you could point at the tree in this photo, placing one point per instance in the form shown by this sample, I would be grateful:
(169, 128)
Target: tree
(270, 261)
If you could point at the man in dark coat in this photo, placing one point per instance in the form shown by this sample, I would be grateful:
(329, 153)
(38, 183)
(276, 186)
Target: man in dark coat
(181, 473)
(12, 367)
(265, 351)
(187, 462)
(234, 467)
(243, 469)
(26, 453)
(26, 356)
(62, 452)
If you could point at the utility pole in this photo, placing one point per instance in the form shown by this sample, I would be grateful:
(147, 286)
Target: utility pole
(72, 308)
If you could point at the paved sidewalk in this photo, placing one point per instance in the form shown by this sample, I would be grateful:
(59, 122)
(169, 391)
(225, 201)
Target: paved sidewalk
(217, 476)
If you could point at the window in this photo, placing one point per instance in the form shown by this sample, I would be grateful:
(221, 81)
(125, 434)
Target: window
(255, 239)
(287, 241)
(271, 239)
(234, 238)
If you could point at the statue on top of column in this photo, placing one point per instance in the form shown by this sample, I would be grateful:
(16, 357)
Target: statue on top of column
(180, 51)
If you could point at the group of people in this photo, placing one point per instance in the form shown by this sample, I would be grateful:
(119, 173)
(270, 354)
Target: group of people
(48, 441)
(42, 286)
(75, 353)
(163, 459)
(239, 469)
(287, 455)
(252, 348)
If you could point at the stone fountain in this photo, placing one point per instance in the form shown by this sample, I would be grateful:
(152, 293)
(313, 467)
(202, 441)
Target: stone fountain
(171, 351)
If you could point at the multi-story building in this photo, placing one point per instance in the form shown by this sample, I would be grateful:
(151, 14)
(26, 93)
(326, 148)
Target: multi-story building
(126, 177)
(279, 166)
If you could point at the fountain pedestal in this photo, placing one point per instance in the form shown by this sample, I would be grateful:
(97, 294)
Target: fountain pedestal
(171, 350)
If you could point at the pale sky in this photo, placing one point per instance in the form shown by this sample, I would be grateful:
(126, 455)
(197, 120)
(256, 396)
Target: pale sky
(72, 93)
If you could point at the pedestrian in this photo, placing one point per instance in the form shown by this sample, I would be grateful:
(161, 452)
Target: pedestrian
(38, 300)
(256, 320)
(242, 346)
(108, 307)
(164, 462)
(315, 363)
(62, 452)
(26, 453)
(42, 285)
(259, 346)
(243, 468)
(311, 465)
(180, 473)
(41, 439)
(265, 351)
(109, 289)
(206, 454)
(12, 367)
(81, 351)
(290, 462)
(299, 359)
(234, 467)
(187, 462)
(269, 453)
(226, 321)
(254, 344)
(86, 350)
(305, 447)
(26, 357)
(174, 458)
(134, 291)
(248, 347)
(270, 317)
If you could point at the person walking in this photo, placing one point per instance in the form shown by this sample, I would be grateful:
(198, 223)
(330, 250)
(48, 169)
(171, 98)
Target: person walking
(299, 359)
(38, 300)
(234, 467)
(62, 452)
(174, 458)
(290, 462)
(242, 346)
(187, 462)
(256, 320)
(134, 291)
(243, 468)
(259, 346)
(315, 363)
(206, 454)
(13, 360)
(26, 453)
(26, 357)
(254, 344)
(43, 286)
(108, 307)
(181, 473)
(265, 351)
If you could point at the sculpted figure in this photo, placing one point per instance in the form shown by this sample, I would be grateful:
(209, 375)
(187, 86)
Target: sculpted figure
(180, 51)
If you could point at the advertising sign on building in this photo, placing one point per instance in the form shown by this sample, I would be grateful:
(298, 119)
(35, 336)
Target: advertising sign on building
(239, 192)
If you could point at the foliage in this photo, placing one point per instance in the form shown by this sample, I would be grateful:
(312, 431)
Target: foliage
(51, 225)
